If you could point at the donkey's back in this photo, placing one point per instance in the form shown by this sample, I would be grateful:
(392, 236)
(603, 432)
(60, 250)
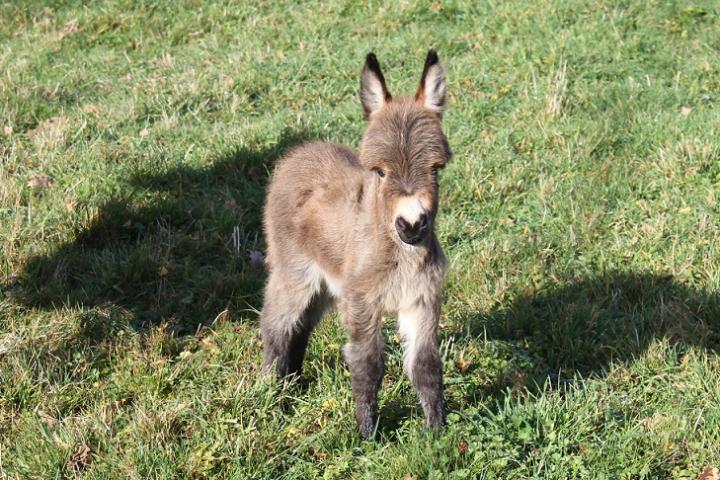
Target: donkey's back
(310, 203)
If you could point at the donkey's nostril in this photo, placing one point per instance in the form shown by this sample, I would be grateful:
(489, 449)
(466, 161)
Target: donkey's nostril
(422, 222)
(401, 225)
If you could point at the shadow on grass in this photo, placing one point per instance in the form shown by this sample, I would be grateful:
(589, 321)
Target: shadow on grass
(173, 248)
(584, 325)
(574, 329)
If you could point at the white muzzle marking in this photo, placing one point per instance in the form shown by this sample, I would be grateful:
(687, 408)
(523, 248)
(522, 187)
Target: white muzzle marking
(409, 209)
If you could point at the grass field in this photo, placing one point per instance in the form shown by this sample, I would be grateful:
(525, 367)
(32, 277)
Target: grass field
(581, 323)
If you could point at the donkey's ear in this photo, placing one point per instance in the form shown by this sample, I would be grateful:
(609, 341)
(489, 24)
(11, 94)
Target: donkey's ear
(373, 92)
(432, 90)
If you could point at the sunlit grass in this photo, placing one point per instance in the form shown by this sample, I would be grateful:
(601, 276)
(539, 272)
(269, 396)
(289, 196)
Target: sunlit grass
(581, 322)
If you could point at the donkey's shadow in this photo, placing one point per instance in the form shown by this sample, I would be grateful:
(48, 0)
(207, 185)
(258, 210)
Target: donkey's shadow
(173, 247)
(586, 324)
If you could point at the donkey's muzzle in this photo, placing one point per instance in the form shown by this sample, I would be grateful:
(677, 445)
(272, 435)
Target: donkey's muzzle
(415, 233)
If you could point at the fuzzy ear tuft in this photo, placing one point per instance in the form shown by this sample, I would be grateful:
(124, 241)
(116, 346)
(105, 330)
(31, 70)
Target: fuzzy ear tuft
(373, 92)
(432, 91)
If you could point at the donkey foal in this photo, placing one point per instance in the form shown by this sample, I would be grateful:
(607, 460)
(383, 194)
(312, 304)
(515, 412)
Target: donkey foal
(356, 231)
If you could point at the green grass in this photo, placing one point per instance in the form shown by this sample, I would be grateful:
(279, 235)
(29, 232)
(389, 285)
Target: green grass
(581, 325)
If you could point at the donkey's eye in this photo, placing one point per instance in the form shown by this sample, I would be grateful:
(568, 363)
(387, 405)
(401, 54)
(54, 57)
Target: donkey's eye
(380, 172)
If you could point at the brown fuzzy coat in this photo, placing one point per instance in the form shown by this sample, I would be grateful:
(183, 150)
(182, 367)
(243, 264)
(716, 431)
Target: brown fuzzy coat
(356, 231)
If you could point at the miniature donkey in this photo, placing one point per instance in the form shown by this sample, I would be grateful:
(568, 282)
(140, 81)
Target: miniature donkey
(357, 231)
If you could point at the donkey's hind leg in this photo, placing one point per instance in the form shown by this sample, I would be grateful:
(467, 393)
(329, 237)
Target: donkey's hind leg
(290, 313)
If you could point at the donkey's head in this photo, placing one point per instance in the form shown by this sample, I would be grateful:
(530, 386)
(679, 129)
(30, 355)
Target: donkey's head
(405, 146)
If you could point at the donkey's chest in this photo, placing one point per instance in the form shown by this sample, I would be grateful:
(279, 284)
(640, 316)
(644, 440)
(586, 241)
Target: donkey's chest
(393, 290)
(404, 288)
(410, 281)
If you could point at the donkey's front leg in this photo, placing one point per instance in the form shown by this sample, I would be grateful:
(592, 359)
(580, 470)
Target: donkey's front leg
(418, 328)
(364, 357)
